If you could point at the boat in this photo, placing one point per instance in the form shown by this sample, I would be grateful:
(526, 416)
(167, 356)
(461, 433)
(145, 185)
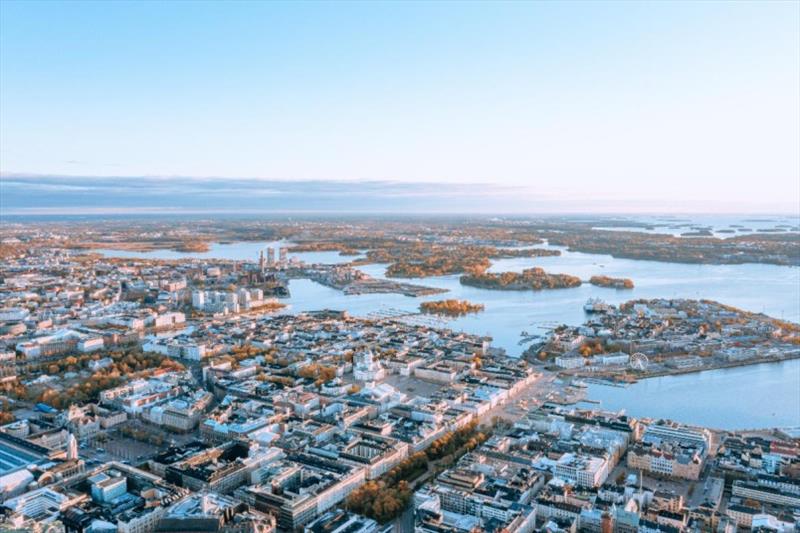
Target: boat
(595, 305)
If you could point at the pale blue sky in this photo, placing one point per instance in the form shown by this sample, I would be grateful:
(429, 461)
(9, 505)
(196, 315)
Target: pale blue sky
(606, 102)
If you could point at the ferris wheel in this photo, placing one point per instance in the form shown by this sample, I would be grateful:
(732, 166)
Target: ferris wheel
(639, 361)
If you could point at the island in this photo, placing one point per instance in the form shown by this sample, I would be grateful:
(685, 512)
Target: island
(646, 338)
(324, 246)
(613, 283)
(350, 280)
(450, 307)
(420, 260)
(767, 248)
(192, 247)
(698, 233)
(438, 265)
(531, 279)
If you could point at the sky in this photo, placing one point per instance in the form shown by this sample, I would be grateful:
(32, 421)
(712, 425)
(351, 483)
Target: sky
(560, 106)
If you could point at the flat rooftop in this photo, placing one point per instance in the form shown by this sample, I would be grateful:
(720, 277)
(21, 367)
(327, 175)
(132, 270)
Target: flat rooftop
(13, 458)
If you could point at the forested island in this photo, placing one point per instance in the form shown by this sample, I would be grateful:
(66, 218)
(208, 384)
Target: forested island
(613, 283)
(770, 248)
(438, 265)
(192, 247)
(535, 279)
(423, 260)
(450, 307)
(324, 246)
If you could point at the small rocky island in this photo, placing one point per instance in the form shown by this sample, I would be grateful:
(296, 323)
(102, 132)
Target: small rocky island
(531, 279)
(612, 283)
(450, 307)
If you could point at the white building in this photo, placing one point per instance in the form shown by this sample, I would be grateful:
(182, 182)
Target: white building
(90, 344)
(169, 320)
(569, 361)
(39, 502)
(582, 470)
(198, 299)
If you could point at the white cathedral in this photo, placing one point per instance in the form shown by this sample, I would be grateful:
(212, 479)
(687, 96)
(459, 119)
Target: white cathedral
(367, 369)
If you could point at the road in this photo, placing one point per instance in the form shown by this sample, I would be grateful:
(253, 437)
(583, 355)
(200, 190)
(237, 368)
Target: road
(535, 393)
(707, 490)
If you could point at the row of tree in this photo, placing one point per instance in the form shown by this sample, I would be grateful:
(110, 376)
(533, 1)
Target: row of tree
(317, 372)
(385, 499)
(124, 366)
(457, 442)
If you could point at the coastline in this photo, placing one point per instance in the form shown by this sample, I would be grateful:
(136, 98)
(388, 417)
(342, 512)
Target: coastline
(617, 381)
(733, 364)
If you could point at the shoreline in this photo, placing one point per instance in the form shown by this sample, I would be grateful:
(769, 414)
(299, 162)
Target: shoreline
(156, 246)
(597, 395)
(611, 382)
(734, 364)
